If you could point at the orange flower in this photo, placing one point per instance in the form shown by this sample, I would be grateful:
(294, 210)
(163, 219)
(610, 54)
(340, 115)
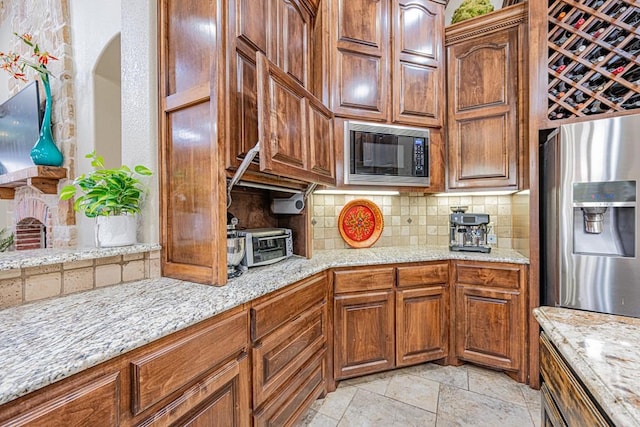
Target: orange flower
(44, 57)
(27, 37)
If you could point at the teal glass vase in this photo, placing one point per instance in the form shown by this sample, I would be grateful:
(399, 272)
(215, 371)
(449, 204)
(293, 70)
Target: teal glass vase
(45, 152)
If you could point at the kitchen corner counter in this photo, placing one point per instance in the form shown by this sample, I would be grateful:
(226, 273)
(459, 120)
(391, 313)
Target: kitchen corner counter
(603, 352)
(46, 341)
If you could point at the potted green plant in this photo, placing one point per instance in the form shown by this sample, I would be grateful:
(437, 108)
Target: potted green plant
(113, 197)
(470, 9)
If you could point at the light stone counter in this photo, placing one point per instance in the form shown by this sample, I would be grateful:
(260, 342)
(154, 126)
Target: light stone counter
(48, 340)
(40, 257)
(604, 352)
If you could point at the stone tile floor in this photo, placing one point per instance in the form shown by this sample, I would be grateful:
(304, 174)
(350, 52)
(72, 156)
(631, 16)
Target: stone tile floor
(428, 395)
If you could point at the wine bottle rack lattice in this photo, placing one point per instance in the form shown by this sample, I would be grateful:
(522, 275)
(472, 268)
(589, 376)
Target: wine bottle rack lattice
(593, 61)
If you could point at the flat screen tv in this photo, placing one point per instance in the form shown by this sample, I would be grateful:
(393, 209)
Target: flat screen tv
(20, 119)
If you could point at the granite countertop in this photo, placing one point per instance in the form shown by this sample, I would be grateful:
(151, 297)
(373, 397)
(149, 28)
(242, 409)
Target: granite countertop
(40, 257)
(604, 351)
(46, 341)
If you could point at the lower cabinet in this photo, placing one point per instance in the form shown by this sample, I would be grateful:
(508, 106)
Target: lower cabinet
(289, 334)
(363, 333)
(490, 315)
(565, 401)
(390, 317)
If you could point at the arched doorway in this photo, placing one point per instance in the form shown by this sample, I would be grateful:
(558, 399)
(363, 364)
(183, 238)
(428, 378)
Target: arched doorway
(107, 104)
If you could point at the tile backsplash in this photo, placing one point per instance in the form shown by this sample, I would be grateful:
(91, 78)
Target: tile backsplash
(416, 219)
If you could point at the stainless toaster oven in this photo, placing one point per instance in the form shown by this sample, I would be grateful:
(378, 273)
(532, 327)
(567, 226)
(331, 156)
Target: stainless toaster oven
(265, 246)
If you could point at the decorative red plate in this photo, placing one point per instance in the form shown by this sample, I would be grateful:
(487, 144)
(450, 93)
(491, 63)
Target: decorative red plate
(360, 223)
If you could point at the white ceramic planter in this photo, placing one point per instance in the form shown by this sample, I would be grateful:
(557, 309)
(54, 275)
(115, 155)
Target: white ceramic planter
(115, 231)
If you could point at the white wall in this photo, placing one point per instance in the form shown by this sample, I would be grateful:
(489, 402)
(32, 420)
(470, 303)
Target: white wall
(93, 26)
(454, 4)
(140, 101)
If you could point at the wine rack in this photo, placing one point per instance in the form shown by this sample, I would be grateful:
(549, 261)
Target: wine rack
(593, 57)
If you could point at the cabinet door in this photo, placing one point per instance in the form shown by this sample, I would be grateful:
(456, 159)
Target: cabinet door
(422, 325)
(360, 55)
(292, 31)
(191, 180)
(417, 58)
(247, 25)
(489, 326)
(483, 111)
(229, 404)
(363, 333)
(290, 119)
(92, 403)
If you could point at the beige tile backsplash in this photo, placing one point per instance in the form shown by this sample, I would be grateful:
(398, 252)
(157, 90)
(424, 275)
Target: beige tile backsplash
(416, 219)
(20, 286)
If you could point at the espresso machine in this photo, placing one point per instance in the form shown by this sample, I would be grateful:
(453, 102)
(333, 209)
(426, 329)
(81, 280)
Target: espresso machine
(468, 231)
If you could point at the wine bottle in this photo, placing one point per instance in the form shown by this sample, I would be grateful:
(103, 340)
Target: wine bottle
(559, 41)
(559, 90)
(578, 47)
(558, 114)
(560, 65)
(596, 82)
(618, 9)
(633, 102)
(595, 108)
(597, 55)
(616, 65)
(616, 92)
(633, 47)
(597, 28)
(633, 75)
(616, 36)
(563, 12)
(577, 72)
(594, 4)
(633, 19)
(578, 20)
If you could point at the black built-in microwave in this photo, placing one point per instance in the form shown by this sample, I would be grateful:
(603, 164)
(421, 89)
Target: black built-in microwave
(378, 154)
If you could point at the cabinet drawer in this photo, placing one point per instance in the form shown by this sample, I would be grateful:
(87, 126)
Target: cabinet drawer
(363, 280)
(285, 351)
(572, 399)
(429, 274)
(95, 403)
(501, 275)
(275, 311)
(221, 388)
(291, 402)
(173, 366)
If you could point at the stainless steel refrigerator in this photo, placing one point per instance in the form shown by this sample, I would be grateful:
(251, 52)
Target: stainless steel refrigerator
(589, 220)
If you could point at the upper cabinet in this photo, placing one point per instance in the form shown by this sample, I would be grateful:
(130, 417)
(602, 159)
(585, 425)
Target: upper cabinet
(486, 101)
(296, 130)
(297, 137)
(386, 60)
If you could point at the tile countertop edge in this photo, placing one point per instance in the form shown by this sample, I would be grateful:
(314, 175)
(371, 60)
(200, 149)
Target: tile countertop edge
(92, 350)
(597, 386)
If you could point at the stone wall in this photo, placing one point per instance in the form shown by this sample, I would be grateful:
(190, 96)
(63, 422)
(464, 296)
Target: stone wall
(48, 22)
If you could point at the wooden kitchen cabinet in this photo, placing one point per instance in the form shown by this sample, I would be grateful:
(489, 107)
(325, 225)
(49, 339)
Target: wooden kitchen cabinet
(490, 315)
(197, 376)
(294, 127)
(192, 181)
(379, 326)
(374, 40)
(487, 102)
(363, 333)
(289, 331)
(565, 400)
(422, 313)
